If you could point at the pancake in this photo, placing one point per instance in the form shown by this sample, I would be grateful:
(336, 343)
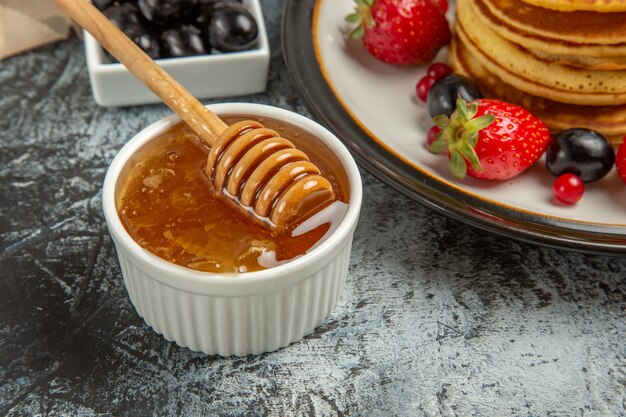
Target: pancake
(589, 56)
(608, 120)
(585, 62)
(582, 27)
(537, 89)
(517, 67)
(602, 6)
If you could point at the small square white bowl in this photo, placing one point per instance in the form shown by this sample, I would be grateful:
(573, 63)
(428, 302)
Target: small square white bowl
(205, 76)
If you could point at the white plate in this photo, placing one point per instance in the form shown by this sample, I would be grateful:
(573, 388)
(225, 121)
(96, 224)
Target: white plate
(372, 106)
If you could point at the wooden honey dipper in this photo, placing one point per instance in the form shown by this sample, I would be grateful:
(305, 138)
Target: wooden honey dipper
(259, 172)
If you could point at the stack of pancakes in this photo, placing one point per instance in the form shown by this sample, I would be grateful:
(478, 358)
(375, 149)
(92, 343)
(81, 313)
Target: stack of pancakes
(563, 60)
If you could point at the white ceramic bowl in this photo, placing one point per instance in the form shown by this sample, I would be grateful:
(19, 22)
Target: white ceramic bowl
(251, 313)
(205, 76)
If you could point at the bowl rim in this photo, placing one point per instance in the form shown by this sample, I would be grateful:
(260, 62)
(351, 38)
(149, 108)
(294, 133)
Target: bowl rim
(281, 276)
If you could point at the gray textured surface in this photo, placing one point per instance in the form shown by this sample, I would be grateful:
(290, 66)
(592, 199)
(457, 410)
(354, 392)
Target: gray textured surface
(437, 318)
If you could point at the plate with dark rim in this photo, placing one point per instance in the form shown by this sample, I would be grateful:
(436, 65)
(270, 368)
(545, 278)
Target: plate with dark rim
(372, 108)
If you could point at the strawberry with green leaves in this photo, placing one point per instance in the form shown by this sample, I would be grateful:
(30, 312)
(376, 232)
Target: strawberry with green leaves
(402, 32)
(490, 139)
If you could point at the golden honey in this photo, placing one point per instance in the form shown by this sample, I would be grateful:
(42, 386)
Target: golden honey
(167, 205)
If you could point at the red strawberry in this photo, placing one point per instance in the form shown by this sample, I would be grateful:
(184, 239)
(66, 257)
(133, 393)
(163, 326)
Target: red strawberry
(443, 5)
(490, 139)
(403, 32)
(620, 160)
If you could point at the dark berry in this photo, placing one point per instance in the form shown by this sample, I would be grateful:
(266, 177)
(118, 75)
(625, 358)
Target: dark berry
(126, 17)
(176, 28)
(581, 152)
(204, 13)
(438, 70)
(205, 9)
(444, 92)
(568, 188)
(102, 4)
(184, 41)
(148, 43)
(232, 28)
(163, 11)
(423, 86)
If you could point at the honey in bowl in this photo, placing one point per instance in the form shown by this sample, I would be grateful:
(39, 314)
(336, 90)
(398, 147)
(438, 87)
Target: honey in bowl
(168, 207)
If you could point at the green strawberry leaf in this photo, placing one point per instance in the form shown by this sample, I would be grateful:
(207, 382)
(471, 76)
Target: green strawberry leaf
(461, 107)
(469, 154)
(438, 147)
(458, 167)
(357, 33)
(353, 18)
(473, 108)
(472, 139)
(441, 121)
(362, 17)
(479, 123)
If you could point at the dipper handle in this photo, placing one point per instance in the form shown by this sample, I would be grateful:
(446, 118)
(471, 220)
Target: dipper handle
(201, 120)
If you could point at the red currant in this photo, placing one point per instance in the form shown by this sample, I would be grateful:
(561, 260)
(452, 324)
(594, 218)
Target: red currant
(423, 85)
(432, 135)
(620, 160)
(568, 188)
(438, 70)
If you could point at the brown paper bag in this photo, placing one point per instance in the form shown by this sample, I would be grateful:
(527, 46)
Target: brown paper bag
(27, 24)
